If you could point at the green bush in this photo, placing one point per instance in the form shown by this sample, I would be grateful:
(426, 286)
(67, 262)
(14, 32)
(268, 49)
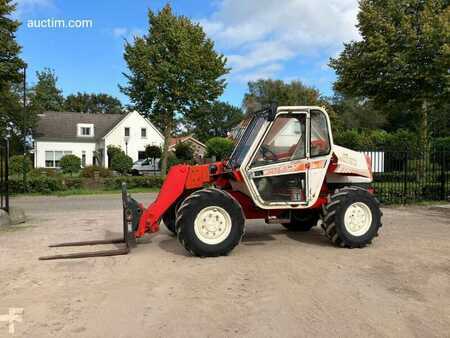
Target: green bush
(113, 151)
(50, 172)
(134, 182)
(219, 147)
(70, 164)
(37, 184)
(16, 164)
(184, 151)
(89, 171)
(121, 163)
(153, 151)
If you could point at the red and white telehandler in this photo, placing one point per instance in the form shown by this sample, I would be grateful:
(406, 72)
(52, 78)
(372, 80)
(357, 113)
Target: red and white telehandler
(284, 169)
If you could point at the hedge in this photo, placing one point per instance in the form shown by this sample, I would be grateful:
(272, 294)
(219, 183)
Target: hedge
(46, 185)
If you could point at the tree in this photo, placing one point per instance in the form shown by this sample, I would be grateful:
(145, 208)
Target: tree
(213, 120)
(45, 95)
(93, 103)
(219, 147)
(173, 69)
(17, 164)
(262, 93)
(70, 164)
(121, 163)
(184, 151)
(402, 61)
(152, 151)
(353, 113)
(10, 69)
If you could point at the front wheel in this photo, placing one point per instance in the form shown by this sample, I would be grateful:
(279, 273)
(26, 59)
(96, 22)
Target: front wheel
(352, 218)
(210, 223)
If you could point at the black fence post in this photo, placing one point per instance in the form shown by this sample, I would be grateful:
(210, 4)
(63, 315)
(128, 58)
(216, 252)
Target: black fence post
(443, 176)
(7, 176)
(405, 178)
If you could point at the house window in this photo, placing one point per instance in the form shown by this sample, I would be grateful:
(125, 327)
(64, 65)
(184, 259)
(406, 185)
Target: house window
(127, 131)
(52, 158)
(143, 133)
(85, 131)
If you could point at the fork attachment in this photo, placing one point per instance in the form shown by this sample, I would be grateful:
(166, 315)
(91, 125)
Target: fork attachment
(132, 211)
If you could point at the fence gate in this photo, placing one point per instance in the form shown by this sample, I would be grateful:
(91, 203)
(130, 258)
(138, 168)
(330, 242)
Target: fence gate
(4, 173)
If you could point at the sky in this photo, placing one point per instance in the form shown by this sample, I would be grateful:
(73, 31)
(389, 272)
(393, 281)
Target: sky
(278, 39)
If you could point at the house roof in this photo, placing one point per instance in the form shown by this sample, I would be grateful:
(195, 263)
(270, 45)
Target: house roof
(174, 140)
(62, 126)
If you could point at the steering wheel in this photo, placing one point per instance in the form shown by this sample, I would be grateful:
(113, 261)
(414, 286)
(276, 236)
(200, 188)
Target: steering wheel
(265, 150)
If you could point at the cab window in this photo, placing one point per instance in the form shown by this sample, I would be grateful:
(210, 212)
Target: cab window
(320, 140)
(285, 141)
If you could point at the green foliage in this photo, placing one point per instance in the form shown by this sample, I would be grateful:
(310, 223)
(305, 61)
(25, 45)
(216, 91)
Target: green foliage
(93, 103)
(121, 163)
(184, 151)
(10, 67)
(45, 96)
(70, 164)
(113, 151)
(134, 182)
(173, 160)
(263, 93)
(153, 151)
(441, 143)
(50, 172)
(213, 120)
(92, 170)
(16, 164)
(402, 61)
(219, 147)
(401, 140)
(172, 69)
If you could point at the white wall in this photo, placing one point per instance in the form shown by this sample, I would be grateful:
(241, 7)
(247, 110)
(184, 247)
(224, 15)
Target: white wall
(76, 148)
(136, 143)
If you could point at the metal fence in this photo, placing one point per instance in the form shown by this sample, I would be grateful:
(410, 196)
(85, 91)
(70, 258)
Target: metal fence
(407, 176)
(4, 173)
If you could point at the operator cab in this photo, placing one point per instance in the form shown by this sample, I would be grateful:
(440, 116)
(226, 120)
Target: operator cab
(283, 157)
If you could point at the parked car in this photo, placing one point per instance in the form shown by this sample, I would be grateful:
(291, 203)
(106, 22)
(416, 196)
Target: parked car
(145, 167)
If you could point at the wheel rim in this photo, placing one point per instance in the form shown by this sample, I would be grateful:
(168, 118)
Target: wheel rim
(358, 218)
(212, 225)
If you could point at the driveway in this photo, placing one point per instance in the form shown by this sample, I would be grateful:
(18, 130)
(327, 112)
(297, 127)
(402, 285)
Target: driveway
(275, 284)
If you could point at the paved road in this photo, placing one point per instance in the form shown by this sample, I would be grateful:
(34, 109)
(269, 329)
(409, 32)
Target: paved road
(275, 284)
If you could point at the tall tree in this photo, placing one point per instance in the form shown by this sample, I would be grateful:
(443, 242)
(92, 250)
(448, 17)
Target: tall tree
(10, 68)
(402, 60)
(262, 93)
(45, 95)
(93, 103)
(213, 120)
(173, 69)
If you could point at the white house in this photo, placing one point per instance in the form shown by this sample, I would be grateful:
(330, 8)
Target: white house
(89, 135)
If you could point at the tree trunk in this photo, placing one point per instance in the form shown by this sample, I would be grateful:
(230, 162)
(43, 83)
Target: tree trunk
(165, 152)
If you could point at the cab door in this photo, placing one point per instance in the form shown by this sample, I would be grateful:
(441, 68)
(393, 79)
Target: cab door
(278, 169)
(289, 165)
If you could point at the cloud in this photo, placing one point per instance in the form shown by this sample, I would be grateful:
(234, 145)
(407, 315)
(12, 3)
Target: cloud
(255, 34)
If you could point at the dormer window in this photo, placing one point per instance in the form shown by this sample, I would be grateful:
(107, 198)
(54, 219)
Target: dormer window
(85, 129)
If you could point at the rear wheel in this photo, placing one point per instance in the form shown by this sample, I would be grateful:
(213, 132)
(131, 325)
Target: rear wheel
(352, 218)
(169, 217)
(302, 221)
(210, 223)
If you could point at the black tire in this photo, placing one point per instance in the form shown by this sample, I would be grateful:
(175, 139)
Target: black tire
(334, 214)
(190, 209)
(170, 216)
(302, 221)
